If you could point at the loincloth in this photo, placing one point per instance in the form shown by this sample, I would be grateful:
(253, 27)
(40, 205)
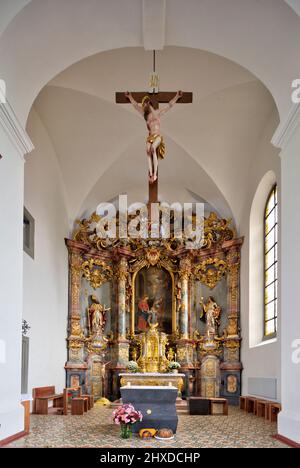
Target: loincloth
(161, 149)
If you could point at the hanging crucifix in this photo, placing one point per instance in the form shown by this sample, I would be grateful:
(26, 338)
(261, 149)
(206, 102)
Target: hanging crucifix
(147, 104)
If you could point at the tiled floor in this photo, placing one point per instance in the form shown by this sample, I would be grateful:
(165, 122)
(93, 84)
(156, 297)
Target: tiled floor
(95, 429)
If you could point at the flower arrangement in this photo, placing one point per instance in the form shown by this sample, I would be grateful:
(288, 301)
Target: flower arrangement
(132, 366)
(173, 366)
(126, 415)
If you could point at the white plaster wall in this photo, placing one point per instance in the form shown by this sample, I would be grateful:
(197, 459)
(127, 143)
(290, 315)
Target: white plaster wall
(45, 276)
(260, 359)
(11, 248)
(289, 418)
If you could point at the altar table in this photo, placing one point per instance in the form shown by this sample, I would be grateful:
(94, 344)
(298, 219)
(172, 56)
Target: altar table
(156, 403)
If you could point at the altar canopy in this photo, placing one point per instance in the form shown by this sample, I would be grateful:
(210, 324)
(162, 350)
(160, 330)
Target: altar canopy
(155, 301)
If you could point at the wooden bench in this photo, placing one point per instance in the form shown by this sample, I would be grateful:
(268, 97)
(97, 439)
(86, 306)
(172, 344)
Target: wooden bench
(199, 405)
(218, 406)
(243, 402)
(274, 409)
(41, 397)
(206, 406)
(262, 408)
(251, 404)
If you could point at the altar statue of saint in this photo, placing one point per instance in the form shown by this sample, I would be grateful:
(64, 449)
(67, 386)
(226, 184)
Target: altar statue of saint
(212, 312)
(97, 315)
(155, 145)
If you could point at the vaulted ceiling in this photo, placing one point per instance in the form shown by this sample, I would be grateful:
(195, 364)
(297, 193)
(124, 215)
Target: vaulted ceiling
(71, 56)
(101, 145)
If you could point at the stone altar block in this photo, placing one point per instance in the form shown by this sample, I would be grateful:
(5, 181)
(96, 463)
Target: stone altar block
(153, 379)
(156, 403)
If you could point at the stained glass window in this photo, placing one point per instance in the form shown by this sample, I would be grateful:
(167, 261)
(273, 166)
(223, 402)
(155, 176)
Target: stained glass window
(271, 264)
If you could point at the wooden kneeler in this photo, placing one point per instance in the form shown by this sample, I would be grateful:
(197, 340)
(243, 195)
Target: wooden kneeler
(77, 406)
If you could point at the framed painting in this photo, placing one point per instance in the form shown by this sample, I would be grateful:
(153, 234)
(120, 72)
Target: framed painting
(153, 300)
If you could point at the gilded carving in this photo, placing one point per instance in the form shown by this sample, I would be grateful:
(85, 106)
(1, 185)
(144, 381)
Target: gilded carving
(96, 369)
(232, 327)
(231, 384)
(232, 354)
(177, 381)
(210, 271)
(185, 269)
(97, 272)
(215, 232)
(75, 328)
(120, 260)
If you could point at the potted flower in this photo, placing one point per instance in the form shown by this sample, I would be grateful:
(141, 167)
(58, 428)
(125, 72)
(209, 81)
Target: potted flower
(132, 366)
(125, 416)
(173, 367)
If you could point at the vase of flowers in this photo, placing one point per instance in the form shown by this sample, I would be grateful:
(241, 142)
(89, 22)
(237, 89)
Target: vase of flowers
(132, 366)
(125, 416)
(173, 367)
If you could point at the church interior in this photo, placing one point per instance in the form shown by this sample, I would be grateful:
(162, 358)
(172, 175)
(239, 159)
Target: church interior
(122, 124)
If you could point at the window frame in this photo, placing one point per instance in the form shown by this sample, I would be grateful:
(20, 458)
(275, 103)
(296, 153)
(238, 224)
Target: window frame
(30, 222)
(273, 335)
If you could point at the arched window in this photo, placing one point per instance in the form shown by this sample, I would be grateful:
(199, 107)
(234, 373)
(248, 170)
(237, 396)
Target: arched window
(271, 264)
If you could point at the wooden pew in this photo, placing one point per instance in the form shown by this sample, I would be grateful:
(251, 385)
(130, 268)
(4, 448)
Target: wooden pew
(41, 397)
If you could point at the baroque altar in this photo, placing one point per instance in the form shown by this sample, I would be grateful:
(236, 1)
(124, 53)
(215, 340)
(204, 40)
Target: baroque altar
(154, 301)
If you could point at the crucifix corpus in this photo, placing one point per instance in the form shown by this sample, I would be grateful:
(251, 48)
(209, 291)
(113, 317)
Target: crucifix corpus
(147, 104)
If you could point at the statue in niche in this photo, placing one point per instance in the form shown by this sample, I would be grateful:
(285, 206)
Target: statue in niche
(97, 316)
(212, 313)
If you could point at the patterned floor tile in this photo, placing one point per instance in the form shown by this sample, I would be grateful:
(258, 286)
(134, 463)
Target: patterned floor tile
(95, 429)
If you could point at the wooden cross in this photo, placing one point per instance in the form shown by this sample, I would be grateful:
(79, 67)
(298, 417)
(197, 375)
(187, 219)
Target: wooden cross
(156, 99)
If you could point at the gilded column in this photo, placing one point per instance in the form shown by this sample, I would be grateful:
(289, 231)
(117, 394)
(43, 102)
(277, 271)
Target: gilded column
(75, 366)
(122, 275)
(184, 273)
(231, 366)
(120, 352)
(233, 281)
(184, 346)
